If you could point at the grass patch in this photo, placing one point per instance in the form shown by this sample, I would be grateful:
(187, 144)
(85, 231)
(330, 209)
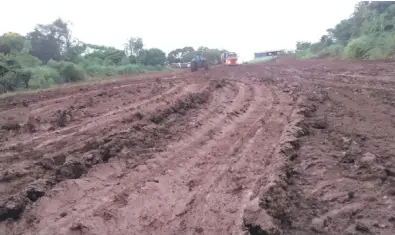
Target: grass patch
(261, 60)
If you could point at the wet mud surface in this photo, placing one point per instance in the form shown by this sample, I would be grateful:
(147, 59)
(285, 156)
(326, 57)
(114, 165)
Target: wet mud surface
(288, 147)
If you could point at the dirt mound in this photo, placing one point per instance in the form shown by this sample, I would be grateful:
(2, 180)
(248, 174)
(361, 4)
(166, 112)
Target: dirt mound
(287, 147)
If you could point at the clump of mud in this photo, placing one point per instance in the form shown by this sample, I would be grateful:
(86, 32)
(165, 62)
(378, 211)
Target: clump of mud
(11, 127)
(181, 106)
(218, 83)
(63, 117)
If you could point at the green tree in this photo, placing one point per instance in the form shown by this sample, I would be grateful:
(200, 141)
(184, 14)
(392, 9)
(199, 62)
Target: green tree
(5, 49)
(368, 33)
(202, 49)
(54, 41)
(15, 42)
(300, 46)
(177, 55)
(107, 55)
(133, 47)
(188, 56)
(12, 74)
(153, 56)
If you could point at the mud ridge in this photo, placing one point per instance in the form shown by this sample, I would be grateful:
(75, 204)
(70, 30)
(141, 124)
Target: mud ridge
(271, 202)
(344, 174)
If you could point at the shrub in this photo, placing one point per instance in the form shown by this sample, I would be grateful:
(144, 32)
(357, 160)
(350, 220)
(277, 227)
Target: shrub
(72, 72)
(68, 71)
(41, 82)
(24, 75)
(150, 68)
(358, 48)
(26, 60)
(95, 69)
(110, 71)
(130, 69)
(335, 49)
(44, 76)
(10, 81)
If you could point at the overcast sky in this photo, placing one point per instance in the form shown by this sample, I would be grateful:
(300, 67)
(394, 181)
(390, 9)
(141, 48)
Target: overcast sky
(245, 26)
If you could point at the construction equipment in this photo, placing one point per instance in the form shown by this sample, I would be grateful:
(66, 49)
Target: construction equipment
(199, 62)
(229, 58)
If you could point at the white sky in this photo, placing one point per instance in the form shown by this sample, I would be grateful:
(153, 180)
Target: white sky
(245, 27)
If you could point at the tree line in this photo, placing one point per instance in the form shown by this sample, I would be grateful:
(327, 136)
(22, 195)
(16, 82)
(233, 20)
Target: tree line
(369, 33)
(50, 54)
(186, 54)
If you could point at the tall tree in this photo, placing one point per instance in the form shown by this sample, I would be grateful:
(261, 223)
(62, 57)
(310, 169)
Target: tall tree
(153, 56)
(54, 41)
(133, 46)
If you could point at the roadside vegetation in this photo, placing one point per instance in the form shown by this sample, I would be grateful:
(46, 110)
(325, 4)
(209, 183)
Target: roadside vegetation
(51, 55)
(186, 54)
(368, 34)
(261, 60)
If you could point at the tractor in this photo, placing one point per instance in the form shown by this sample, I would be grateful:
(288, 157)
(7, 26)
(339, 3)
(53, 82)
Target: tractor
(199, 62)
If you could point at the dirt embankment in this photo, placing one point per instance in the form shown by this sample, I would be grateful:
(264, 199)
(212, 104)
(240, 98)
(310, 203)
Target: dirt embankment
(287, 147)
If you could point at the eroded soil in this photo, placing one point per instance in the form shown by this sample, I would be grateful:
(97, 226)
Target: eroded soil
(289, 147)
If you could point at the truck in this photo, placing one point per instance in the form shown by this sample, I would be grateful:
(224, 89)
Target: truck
(229, 58)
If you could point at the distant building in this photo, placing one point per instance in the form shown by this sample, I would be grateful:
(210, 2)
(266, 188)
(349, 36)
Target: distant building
(258, 55)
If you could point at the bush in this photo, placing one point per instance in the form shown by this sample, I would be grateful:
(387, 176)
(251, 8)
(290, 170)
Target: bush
(26, 60)
(54, 64)
(307, 54)
(101, 70)
(44, 76)
(68, 71)
(110, 71)
(150, 68)
(261, 60)
(335, 49)
(383, 46)
(72, 72)
(41, 82)
(160, 67)
(358, 48)
(10, 81)
(95, 69)
(24, 75)
(130, 69)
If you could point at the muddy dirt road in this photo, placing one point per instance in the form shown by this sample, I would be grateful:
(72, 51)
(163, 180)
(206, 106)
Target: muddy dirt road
(288, 147)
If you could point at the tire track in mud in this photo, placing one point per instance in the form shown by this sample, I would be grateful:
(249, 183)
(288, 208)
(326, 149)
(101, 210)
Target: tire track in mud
(187, 89)
(236, 152)
(168, 192)
(228, 202)
(334, 80)
(214, 123)
(62, 142)
(154, 170)
(91, 89)
(191, 201)
(46, 106)
(55, 99)
(109, 117)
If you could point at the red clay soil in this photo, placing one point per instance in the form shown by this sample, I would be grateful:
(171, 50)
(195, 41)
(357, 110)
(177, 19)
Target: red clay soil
(289, 147)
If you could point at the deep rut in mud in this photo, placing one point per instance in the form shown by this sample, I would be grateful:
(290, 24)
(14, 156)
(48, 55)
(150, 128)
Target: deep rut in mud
(278, 148)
